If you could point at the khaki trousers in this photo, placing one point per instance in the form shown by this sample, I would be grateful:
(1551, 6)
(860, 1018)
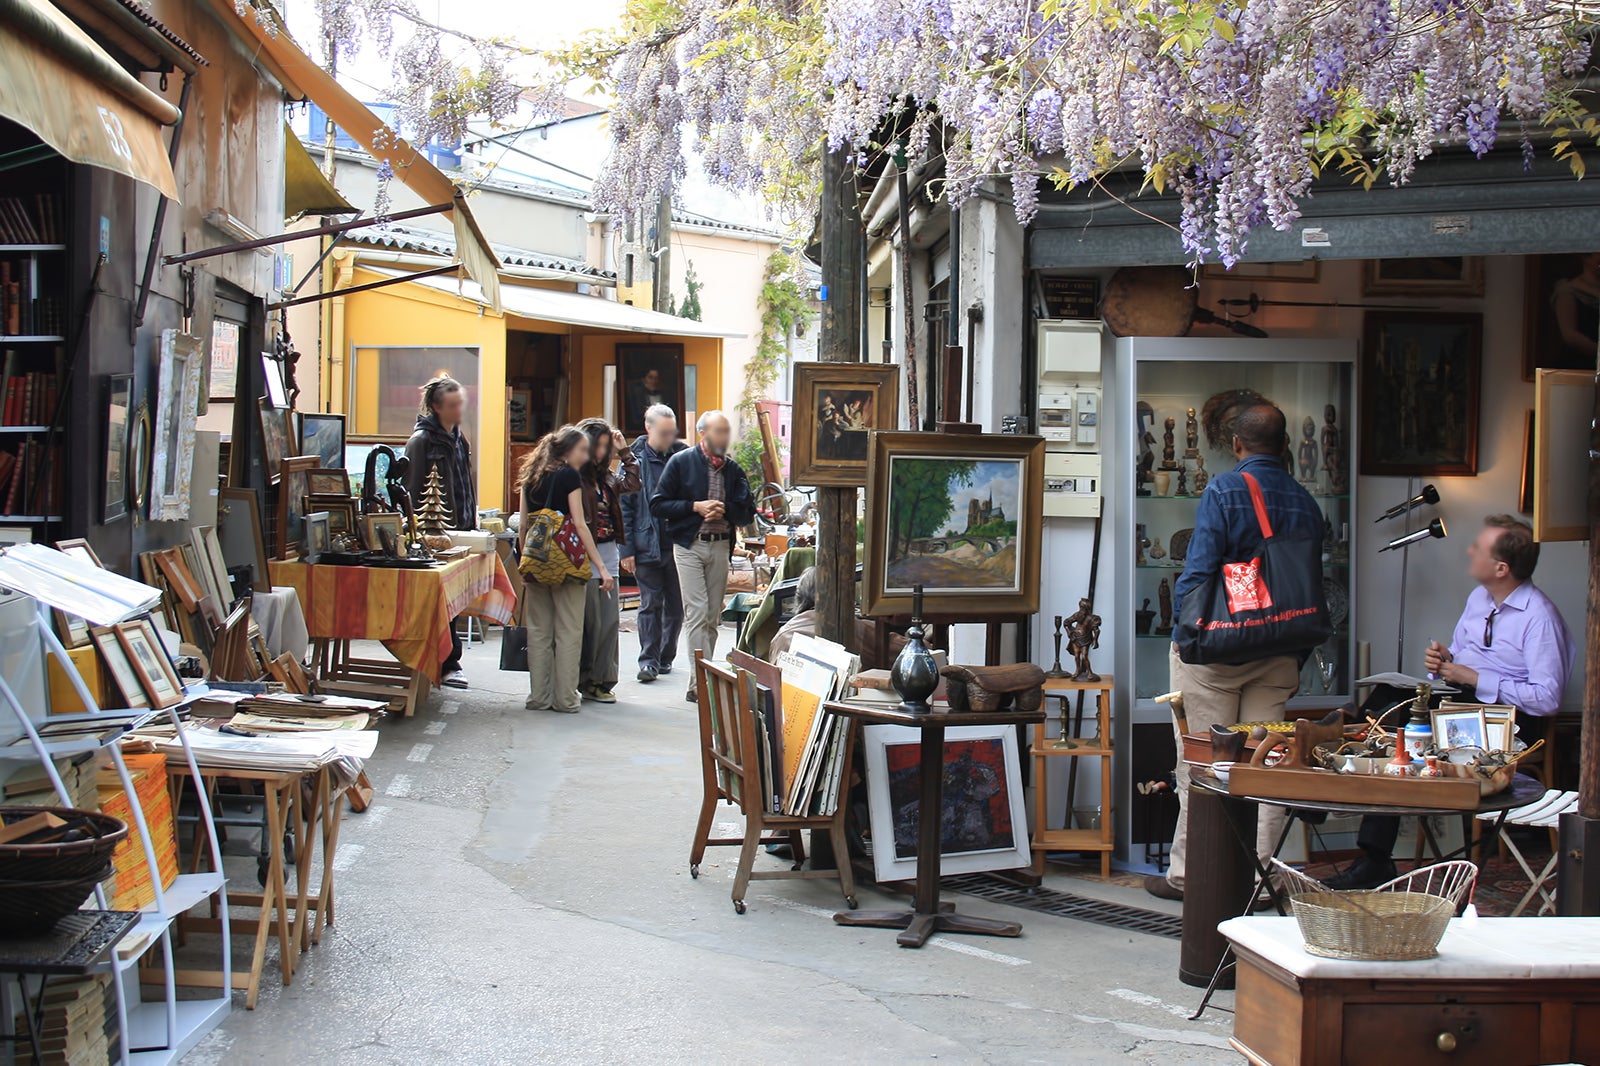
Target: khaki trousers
(703, 577)
(554, 617)
(1228, 695)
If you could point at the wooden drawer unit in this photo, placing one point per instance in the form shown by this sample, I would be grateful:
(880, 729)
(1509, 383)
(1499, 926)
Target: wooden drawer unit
(1413, 1033)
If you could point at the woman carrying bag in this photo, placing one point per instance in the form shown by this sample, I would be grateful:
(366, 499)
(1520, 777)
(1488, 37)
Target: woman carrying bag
(558, 557)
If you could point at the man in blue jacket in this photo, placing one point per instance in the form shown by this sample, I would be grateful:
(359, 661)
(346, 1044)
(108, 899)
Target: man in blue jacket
(703, 498)
(647, 553)
(1226, 529)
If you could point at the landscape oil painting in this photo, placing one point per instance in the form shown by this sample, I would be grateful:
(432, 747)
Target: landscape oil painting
(958, 516)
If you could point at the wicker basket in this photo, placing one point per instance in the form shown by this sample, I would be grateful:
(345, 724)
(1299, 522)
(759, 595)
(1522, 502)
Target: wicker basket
(31, 908)
(62, 860)
(1404, 919)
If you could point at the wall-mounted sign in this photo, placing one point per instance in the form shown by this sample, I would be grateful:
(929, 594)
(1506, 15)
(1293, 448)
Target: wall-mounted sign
(1068, 297)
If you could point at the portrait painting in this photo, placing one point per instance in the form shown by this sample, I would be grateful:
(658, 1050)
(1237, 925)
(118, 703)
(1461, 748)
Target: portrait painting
(648, 374)
(959, 516)
(1419, 393)
(836, 408)
(1560, 313)
(983, 824)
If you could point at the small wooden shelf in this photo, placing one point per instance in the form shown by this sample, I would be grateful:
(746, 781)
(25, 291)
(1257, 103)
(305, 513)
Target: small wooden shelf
(1096, 747)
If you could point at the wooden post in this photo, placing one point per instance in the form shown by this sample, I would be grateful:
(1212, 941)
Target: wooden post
(1578, 882)
(842, 240)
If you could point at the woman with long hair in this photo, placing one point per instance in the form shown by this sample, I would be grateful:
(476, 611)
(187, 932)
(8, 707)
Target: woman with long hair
(611, 472)
(550, 479)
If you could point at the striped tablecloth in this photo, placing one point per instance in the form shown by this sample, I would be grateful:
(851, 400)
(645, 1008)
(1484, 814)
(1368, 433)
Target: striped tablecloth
(409, 610)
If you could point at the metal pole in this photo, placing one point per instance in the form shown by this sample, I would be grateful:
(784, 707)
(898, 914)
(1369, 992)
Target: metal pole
(280, 238)
(1405, 566)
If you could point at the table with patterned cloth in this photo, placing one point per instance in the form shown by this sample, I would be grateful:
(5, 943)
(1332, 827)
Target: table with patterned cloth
(410, 611)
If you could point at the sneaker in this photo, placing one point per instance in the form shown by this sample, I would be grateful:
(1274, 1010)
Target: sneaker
(600, 694)
(647, 674)
(1158, 886)
(1365, 872)
(456, 678)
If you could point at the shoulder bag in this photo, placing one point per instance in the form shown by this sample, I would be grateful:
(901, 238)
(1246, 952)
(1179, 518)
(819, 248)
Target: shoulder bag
(1256, 608)
(552, 551)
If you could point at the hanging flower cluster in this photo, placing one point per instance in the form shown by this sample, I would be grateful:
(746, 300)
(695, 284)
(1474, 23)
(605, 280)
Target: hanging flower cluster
(1236, 105)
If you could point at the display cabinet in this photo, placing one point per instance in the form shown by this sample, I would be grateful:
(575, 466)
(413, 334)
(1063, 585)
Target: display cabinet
(1153, 505)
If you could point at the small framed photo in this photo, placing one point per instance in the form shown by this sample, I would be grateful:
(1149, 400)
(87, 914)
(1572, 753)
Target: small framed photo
(73, 631)
(328, 482)
(80, 550)
(115, 656)
(318, 539)
(1460, 727)
(1499, 726)
(150, 662)
(384, 533)
(323, 436)
(519, 414)
(836, 408)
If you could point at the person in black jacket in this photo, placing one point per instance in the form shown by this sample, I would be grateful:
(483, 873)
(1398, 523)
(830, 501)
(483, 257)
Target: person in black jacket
(647, 553)
(438, 444)
(703, 498)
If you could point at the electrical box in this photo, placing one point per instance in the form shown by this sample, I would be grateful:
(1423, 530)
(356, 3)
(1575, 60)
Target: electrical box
(1069, 416)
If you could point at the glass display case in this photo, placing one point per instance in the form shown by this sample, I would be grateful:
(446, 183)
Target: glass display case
(1161, 463)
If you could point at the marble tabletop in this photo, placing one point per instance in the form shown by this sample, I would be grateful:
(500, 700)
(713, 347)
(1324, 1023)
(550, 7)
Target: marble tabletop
(1473, 949)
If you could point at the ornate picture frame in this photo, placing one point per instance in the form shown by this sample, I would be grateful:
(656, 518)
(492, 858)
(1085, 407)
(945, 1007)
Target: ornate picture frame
(836, 408)
(959, 514)
(177, 407)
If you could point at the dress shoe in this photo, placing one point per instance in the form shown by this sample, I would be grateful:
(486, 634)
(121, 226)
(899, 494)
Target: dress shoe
(1158, 886)
(1366, 872)
(647, 674)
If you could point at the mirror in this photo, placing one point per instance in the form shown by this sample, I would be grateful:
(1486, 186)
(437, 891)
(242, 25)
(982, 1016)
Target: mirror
(139, 460)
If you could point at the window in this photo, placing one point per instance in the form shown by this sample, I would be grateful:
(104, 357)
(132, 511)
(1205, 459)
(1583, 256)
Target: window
(385, 384)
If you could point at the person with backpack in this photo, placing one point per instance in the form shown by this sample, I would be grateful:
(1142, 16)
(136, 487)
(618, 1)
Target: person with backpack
(1228, 533)
(551, 486)
(610, 476)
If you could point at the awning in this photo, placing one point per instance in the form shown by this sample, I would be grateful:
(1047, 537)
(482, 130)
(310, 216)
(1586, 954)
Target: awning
(305, 79)
(61, 85)
(571, 308)
(306, 189)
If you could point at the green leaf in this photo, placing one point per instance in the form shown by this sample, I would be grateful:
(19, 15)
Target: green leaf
(1222, 28)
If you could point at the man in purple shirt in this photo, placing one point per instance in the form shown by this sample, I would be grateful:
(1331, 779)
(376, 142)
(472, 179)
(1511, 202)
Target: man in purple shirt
(1510, 646)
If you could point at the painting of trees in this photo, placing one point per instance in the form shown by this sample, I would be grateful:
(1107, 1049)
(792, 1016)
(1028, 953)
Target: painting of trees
(919, 498)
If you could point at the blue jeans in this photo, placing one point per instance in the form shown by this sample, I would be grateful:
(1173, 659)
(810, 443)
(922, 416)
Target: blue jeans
(660, 612)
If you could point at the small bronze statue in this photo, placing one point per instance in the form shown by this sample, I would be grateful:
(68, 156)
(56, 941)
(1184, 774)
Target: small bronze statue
(1191, 433)
(1056, 671)
(1165, 594)
(1083, 635)
(1169, 447)
(1183, 481)
(1308, 451)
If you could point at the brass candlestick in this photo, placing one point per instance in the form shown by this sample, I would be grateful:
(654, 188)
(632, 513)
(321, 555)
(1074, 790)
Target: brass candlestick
(1056, 670)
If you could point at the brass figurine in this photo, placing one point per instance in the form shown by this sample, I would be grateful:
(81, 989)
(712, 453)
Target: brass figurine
(1083, 635)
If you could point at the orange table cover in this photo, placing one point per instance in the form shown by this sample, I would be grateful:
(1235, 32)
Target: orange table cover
(409, 610)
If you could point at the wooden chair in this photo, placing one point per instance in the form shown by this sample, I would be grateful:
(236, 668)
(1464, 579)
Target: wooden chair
(728, 762)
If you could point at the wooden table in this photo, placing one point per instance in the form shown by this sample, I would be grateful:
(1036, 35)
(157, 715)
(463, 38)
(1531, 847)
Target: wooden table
(409, 611)
(1502, 991)
(929, 916)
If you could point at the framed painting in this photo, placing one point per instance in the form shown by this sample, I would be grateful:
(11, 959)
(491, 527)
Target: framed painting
(958, 515)
(318, 537)
(519, 414)
(328, 482)
(341, 512)
(648, 374)
(241, 534)
(1419, 393)
(119, 415)
(291, 502)
(323, 436)
(1563, 410)
(1425, 275)
(384, 532)
(177, 407)
(119, 667)
(836, 408)
(1560, 312)
(985, 823)
(275, 436)
(81, 550)
(143, 645)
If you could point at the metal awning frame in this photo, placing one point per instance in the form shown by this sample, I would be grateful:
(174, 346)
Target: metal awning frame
(320, 231)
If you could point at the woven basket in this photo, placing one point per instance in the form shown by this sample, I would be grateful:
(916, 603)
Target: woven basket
(1403, 919)
(63, 860)
(32, 908)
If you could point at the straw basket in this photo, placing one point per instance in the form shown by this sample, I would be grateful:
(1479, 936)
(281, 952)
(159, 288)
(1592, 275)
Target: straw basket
(1404, 919)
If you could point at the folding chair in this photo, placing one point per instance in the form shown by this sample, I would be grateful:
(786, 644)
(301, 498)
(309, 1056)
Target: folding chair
(1543, 813)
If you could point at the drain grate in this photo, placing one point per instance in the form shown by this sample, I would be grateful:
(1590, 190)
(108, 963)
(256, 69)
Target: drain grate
(1066, 905)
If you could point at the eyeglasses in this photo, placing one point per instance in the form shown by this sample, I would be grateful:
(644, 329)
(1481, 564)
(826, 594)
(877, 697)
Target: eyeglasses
(1488, 628)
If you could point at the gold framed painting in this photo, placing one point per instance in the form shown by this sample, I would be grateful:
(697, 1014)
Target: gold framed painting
(836, 408)
(959, 515)
(119, 667)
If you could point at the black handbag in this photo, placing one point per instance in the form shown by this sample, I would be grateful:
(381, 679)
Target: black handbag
(1271, 604)
(514, 640)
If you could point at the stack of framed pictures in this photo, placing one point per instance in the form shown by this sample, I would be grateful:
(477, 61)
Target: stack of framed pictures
(138, 664)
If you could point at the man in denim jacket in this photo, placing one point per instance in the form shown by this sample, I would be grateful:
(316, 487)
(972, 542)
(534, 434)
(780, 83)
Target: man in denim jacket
(1226, 530)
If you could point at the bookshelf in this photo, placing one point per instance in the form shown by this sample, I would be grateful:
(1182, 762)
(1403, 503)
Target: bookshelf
(33, 298)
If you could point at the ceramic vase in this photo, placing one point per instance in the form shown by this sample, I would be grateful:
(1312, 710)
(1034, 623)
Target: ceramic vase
(1163, 482)
(1430, 767)
(1400, 765)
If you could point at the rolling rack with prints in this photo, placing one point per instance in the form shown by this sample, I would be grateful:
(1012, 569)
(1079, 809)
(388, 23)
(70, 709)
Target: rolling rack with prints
(161, 1031)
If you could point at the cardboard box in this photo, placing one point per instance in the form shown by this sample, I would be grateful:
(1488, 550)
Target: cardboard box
(64, 697)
